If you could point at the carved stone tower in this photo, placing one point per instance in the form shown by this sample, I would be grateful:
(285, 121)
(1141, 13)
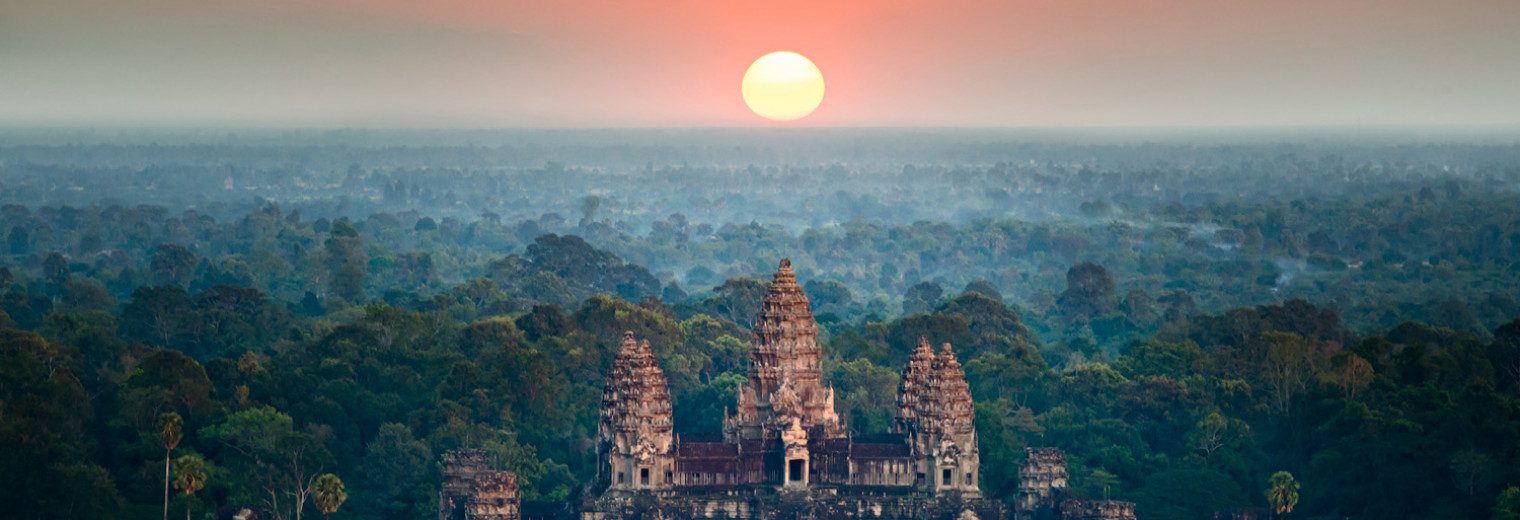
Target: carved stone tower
(634, 437)
(935, 411)
(785, 381)
(915, 379)
(1041, 477)
(473, 491)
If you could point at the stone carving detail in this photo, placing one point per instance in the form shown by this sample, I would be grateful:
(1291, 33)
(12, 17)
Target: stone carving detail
(934, 409)
(1042, 475)
(635, 429)
(1078, 508)
(794, 440)
(948, 407)
(785, 380)
(494, 497)
(1043, 493)
(915, 380)
(473, 491)
(784, 452)
(949, 454)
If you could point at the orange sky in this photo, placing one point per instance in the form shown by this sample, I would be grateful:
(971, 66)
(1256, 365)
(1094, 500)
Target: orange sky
(596, 63)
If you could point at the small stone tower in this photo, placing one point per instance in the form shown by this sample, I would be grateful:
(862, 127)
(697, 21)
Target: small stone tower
(1041, 477)
(785, 379)
(635, 443)
(934, 409)
(472, 491)
(1043, 494)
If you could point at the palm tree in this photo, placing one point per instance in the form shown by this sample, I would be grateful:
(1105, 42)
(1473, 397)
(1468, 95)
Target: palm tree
(329, 494)
(169, 434)
(190, 476)
(1282, 492)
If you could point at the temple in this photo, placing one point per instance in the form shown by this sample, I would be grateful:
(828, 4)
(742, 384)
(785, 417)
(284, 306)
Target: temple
(783, 451)
(471, 490)
(1043, 494)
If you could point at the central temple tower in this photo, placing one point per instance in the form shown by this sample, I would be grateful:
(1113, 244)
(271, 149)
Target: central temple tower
(785, 389)
(784, 452)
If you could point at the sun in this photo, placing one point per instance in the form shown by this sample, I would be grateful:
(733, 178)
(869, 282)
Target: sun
(783, 86)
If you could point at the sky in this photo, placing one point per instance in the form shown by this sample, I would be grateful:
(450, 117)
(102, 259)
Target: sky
(678, 63)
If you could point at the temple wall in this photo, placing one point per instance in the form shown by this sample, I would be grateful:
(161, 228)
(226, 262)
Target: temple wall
(814, 504)
(884, 472)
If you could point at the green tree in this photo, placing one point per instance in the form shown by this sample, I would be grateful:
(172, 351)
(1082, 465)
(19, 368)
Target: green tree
(828, 295)
(1470, 470)
(1352, 374)
(1089, 292)
(1186, 494)
(1507, 507)
(922, 297)
(738, 300)
(256, 432)
(190, 476)
(1287, 368)
(19, 240)
(169, 435)
(1101, 481)
(396, 463)
(1282, 492)
(282, 458)
(347, 262)
(984, 288)
(172, 264)
(1217, 432)
(328, 494)
(156, 315)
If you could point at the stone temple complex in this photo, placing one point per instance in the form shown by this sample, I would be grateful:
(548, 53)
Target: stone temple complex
(784, 453)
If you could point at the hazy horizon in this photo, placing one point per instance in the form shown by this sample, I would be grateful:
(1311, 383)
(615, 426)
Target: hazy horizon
(599, 64)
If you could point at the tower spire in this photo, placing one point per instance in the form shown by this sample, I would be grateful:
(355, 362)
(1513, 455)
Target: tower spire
(785, 379)
(634, 435)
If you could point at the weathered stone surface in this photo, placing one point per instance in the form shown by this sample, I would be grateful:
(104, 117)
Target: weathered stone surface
(914, 386)
(784, 453)
(948, 409)
(813, 504)
(1244, 513)
(1043, 494)
(473, 491)
(1042, 475)
(1077, 508)
(936, 413)
(634, 437)
(494, 497)
(785, 380)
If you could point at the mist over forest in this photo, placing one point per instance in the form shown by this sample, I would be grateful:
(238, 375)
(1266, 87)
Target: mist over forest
(1269, 217)
(1185, 312)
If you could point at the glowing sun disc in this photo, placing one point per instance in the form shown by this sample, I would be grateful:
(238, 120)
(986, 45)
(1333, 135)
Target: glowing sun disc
(783, 86)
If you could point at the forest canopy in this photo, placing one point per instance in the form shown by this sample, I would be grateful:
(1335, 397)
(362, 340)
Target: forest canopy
(1185, 321)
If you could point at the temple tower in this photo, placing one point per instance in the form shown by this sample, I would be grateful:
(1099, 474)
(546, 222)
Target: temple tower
(915, 379)
(785, 380)
(634, 437)
(1041, 478)
(935, 411)
(473, 491)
